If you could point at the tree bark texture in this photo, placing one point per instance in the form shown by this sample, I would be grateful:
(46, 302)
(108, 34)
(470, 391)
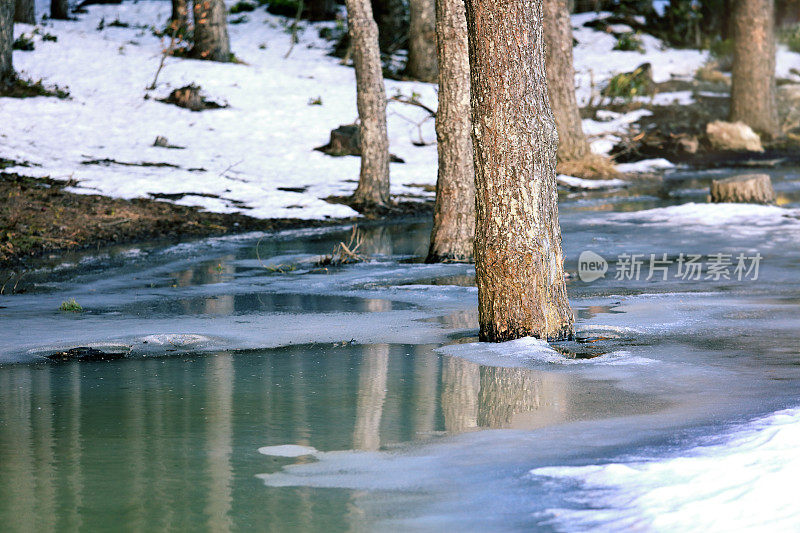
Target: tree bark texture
(211, 31)
(373, 183)
(518, 258)
(745, 188)
(392, 19)
(453, 235)
(25, 12)
(572, 143)
(753, 80)
(6, 41)
(422, 63)
(59, 9)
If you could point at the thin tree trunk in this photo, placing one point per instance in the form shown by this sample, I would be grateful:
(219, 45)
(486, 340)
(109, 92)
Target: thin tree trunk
(373, 183)
(59, 9)
(211, 31)
(179, 19)
(7, 75)
(453, 235)
(518, 258)
(753, 79)
(572, 143)
(422, 63)
(25, 12)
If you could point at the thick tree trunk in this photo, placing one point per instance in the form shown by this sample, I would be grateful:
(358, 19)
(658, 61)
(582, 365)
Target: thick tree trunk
(453, 235)
(392, 20)
(6, 41)
(518, 258)
(753, 79)
(179, 19)
(422, 63)
(211, 31)
(59, 9)
(25, 12)
(373, 183)
(572, 143)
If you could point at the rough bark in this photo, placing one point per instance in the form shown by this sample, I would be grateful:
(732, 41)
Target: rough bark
(518, 258)
(59, 9)
(422, 63)
(6, 41)
(745, 188)
(211, 31)
(452, 238)
(753, 79)
(25, 12)
(572, 143)
(180, 15)
(373, 183)
(391, 17)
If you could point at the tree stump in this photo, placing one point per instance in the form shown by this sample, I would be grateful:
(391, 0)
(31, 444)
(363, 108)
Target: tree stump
(190, 97)
(746, 188)
(346, 140)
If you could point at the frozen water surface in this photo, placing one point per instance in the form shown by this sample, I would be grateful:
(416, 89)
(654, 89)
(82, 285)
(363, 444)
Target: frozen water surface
(263, 392)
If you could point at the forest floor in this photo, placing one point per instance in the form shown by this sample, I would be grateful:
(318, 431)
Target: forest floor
(252, 163)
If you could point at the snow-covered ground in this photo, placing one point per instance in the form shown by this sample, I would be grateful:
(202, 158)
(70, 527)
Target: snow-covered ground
(255, 156)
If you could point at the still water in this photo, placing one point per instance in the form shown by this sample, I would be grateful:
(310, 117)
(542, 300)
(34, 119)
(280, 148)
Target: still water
(264, 393)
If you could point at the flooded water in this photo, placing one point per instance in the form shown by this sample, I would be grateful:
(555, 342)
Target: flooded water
(262, 392)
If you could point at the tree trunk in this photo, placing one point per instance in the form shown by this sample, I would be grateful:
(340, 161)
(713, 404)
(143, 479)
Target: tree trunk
(392, 22)
(453, 235)
(211, 31)
(179, 19)
(25, 12)
(518, 260)
(6, 41)
(373, 183)
(422, 63)
(572, 143)
(753, 79)
(59, 9)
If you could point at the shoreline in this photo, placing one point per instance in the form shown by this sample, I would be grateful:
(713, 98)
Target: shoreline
(38, 217)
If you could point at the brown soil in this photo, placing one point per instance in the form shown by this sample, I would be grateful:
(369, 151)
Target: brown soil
(38, 216)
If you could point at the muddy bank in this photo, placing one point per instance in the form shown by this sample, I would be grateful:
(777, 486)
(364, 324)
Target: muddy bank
(38, 217)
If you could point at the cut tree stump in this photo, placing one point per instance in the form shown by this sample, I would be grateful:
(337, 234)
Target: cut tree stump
(190, 97)
(746, 188)
(346, 140)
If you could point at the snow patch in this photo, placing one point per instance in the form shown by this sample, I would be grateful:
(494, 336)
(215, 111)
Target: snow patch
(743, 483)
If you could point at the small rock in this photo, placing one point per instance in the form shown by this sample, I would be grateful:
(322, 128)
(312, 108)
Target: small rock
(163, 142)
(688, 144)
(735, 136)
(745, 188)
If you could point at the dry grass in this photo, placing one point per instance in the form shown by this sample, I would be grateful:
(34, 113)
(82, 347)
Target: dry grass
(592, 166)
(346, 253)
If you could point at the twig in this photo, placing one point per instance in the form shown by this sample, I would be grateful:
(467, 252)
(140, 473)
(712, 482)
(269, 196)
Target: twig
(165, 53)
(300, 7)
(410, 100)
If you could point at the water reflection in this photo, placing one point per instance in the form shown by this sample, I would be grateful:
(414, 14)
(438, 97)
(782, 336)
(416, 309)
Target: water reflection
(171, 443)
